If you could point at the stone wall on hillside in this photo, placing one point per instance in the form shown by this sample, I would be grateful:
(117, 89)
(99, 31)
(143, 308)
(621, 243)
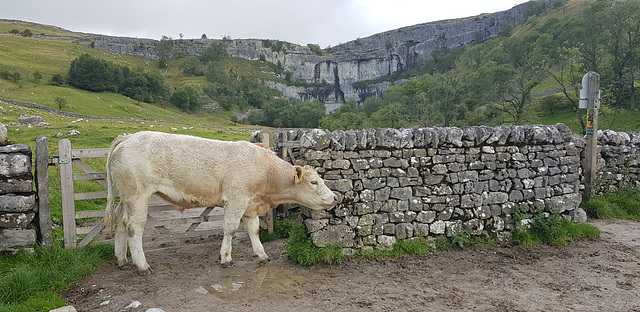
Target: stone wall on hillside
(17, 198)
(399, 184)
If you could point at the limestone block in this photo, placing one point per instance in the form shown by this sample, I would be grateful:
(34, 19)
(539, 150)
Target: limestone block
(333, 235)
(315, 225)
(386, 241)
(17, 203)
(16, 220)
(12, 239)
(16, 186)
(14, 164)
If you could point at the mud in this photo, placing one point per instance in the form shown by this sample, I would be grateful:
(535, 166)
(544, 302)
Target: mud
(598, 275)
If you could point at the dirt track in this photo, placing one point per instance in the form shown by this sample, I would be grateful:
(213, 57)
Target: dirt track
(600, 275)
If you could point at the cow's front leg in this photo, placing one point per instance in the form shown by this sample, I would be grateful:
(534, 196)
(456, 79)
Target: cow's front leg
(252, 225)
(232, 214)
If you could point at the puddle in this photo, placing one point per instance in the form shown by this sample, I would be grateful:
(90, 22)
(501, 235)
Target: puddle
(264, 277)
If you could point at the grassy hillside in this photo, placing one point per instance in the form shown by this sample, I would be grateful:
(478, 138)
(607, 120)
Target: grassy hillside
(52, 54)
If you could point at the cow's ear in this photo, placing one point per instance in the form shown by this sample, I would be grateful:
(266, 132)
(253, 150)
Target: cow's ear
(298, 175)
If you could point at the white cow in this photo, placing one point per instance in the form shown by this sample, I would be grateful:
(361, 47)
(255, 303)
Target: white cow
(189, 171)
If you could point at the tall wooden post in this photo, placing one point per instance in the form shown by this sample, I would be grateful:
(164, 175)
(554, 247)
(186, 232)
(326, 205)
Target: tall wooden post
(42, 187)
(269, 215)
(591, 154)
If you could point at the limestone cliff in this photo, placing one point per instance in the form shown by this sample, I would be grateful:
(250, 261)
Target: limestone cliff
(334, 73)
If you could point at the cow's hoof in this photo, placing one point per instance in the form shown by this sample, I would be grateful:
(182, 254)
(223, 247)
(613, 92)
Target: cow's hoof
(145, 272)
(265, 261)
(227, 264)
(126, 266)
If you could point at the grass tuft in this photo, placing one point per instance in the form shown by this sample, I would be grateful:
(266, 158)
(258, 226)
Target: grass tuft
(30, 282)
(621, 204)
(553, 230)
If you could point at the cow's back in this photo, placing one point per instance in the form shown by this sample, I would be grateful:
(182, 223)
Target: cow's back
(200, 169)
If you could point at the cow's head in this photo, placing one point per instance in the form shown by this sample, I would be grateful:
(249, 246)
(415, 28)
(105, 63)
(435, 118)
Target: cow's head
(311, 190)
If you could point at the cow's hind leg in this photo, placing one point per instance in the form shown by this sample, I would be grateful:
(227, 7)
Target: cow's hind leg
(232, 214)
(252, 225)
(120, 243)
(136, 218)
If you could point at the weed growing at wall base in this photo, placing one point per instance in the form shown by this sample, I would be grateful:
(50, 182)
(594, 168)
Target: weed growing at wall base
(300, 246)
(553, 230)
(621, 204)
(304, 252)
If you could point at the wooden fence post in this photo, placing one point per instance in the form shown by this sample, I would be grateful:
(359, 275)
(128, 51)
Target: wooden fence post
(42, 187)
(66, 185)
(591, 153)
(269, 215)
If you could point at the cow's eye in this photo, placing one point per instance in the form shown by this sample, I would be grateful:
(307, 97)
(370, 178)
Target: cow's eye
(314, 182)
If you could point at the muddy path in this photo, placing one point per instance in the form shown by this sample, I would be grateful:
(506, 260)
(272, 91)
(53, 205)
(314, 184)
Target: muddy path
(599, 275)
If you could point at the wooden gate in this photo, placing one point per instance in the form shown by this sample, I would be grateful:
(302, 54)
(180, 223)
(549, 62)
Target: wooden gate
(162, 216)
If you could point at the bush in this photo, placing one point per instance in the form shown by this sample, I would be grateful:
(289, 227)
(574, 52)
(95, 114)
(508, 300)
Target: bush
(56, 80)
(315, 48)
(185, 98)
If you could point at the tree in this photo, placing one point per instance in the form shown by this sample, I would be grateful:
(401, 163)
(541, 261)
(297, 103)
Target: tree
(530, 68)
(214, 53)
(165, 51)
(60, 102)
(191, 67)
(89, 73)
(16, 76)
(204, 36)
(56, 80)
(185, 98)
(569, 76)
(624, 39)
(14, 32)
(315, 48)
(26, 33)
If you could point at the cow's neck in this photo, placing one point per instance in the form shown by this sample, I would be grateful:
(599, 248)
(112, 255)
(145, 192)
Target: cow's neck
(281, 185)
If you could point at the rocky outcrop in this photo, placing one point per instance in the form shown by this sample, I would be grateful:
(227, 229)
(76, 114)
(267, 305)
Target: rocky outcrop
(330, 77)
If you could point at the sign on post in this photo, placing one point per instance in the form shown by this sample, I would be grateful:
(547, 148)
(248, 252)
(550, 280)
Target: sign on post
(590, 99)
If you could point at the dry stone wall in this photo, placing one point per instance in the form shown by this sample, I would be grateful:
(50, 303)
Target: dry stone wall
(17, 198)
(399, 184)
(618, 160)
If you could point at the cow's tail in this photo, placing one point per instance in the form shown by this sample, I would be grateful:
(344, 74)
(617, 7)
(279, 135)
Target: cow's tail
(113, 211)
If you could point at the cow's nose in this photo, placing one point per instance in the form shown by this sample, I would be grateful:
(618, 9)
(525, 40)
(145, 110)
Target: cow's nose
(335, 198)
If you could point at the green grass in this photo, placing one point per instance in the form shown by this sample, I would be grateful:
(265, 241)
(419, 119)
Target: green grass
(553, 230)
(304, 252)
(620, 204)
(30, 282)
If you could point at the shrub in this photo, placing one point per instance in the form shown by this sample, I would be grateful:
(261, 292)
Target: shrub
(315, 48)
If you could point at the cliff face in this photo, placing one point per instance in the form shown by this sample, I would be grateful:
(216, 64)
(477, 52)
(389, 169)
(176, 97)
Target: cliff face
(341, 66)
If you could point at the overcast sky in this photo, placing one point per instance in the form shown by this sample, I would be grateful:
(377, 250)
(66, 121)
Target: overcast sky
(323, 22)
